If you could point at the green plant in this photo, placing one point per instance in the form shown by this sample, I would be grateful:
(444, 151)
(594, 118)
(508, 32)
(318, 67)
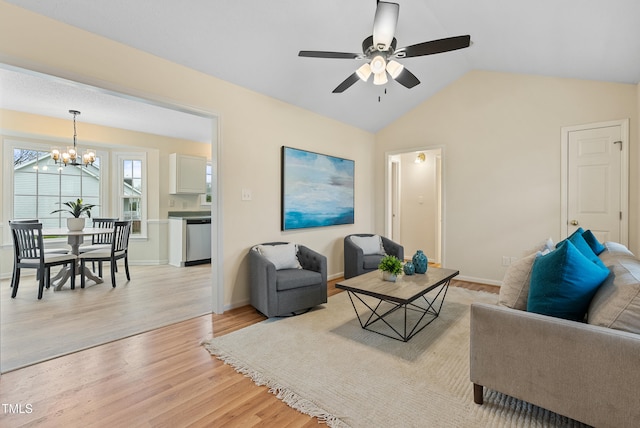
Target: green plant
(75, 208)
(390, 264)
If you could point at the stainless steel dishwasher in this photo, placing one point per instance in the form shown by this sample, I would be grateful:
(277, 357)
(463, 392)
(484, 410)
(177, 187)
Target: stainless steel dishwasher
(198, 241)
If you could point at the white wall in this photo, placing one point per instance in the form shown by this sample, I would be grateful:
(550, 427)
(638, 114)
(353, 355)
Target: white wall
(253, 127)
(501, 169)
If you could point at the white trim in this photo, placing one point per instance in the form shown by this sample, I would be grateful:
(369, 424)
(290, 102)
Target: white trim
(217, 275)
(478, 280)
(624, 174)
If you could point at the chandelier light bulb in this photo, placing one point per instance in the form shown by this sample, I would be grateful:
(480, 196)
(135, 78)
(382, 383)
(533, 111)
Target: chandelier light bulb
(70, 156)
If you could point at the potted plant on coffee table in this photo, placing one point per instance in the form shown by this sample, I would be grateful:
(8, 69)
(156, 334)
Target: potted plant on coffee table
(76, 209)
(391, 267)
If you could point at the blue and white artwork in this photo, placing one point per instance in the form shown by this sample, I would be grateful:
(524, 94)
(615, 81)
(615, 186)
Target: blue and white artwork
(317, 190)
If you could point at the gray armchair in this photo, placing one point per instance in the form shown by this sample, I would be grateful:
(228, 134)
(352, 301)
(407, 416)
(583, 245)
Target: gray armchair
(286, 291)
(356, 262)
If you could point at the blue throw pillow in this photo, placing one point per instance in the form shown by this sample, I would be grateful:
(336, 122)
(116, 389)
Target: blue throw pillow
(593, 242)
(582, 245)
(563, 283)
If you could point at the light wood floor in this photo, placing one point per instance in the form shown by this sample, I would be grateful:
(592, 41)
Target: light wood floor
(162, 378)
(68, 320)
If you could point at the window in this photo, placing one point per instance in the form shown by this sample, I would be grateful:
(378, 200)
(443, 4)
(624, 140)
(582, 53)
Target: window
(131, 185)
(40, 186)
(208, 196)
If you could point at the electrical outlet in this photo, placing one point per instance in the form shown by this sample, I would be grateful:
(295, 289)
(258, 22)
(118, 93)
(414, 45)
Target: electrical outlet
(513, 260)
(506, 261)
(246, 194)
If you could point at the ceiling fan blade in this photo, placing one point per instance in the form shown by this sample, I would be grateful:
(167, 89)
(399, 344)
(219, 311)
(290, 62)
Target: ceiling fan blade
(322, 54)
(346, 84)
(384, 24)
(407, 79)
(434, 47)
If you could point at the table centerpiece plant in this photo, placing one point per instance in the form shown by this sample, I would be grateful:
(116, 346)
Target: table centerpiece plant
(391, 267)
(76, 209)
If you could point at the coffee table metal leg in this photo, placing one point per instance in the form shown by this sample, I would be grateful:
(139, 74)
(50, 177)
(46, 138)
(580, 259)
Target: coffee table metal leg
(405, 336)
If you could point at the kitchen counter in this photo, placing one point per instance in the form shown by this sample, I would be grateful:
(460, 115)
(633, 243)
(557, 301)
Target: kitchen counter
(190, 214)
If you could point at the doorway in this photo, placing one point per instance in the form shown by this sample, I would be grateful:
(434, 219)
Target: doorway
(413, 202)
(595, 180)
(212, 289)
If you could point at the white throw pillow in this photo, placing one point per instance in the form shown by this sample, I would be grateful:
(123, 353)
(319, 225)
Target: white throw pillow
(514, 290)
(283, 256)
(369, 244)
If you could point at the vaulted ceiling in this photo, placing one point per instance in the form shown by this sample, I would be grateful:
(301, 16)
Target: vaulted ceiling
(255, 43)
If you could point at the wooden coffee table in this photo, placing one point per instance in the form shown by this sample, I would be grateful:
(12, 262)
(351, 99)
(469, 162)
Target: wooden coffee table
(408, 294)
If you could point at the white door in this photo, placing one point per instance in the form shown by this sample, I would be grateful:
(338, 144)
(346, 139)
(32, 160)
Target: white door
(596, 180)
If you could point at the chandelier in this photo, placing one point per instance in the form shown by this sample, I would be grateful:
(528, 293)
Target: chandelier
(70, 156)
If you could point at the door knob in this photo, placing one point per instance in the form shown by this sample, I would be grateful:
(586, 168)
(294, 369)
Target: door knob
(574, 222)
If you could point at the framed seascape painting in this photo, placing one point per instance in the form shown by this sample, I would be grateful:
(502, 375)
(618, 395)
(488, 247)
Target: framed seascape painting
(317, 190)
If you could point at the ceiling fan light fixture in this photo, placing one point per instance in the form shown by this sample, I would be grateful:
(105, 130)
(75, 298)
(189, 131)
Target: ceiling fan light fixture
(378, 64)
(394, 68)
(380, 78)
(384, 25)
(364, 72)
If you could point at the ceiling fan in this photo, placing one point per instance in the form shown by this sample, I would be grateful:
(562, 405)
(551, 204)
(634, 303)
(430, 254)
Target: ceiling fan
(380, 53)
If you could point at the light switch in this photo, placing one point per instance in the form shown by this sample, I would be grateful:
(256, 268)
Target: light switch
(246, 194)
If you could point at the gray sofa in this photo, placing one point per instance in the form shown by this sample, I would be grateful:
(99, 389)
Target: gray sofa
(356, 262)
(285, 290)
(588, 371)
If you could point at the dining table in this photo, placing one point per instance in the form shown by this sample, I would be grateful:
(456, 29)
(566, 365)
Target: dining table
(75, 238)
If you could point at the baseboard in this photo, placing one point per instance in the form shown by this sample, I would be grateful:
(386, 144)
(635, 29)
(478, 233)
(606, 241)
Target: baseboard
(235, 305)
(479, 280)
(148, 262)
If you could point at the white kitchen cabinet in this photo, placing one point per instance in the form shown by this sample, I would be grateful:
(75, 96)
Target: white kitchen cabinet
(187, 174)
(177, 238)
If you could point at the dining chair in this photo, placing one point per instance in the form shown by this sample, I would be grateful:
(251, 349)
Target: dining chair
(99, 241)
(119, 250)
(29, 254)
(46, 250)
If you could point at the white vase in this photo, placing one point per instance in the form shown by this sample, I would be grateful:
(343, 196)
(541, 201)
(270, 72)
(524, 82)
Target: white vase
(389, 276)
(75, 224)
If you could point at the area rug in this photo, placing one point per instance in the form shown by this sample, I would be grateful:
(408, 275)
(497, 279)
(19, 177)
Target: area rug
(325, 365)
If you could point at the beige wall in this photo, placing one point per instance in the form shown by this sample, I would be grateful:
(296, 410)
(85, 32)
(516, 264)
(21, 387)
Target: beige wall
(253, 127)
(501, 159)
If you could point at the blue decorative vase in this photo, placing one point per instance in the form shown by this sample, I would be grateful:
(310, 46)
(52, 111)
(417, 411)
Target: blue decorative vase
(409, 268)
(420, 262)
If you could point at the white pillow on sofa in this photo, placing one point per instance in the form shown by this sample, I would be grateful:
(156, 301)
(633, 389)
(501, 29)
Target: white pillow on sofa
(514, 290)
(369, 244)
(616, 304)
(283, 256)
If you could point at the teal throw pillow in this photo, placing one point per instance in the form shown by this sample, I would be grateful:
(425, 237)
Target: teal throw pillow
(563, 283)
(581, 244)
(593, 242)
